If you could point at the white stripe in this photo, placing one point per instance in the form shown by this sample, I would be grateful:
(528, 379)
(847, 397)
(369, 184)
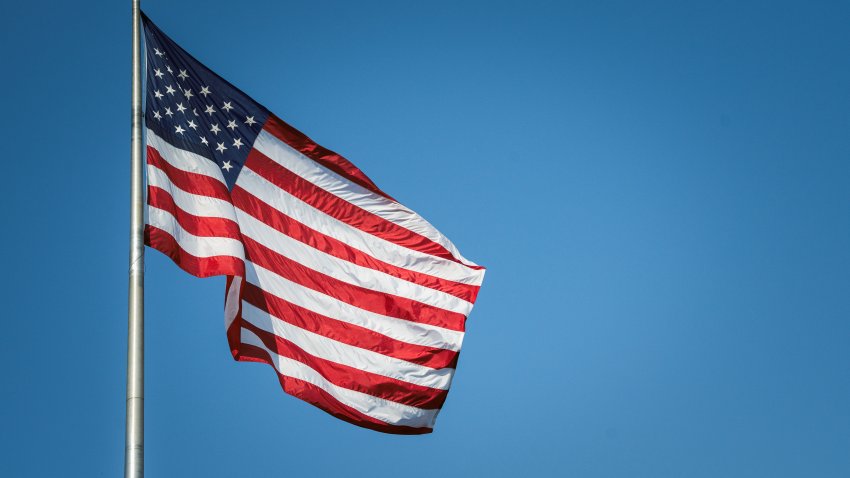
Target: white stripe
(194, 204)
(404, 330)
(378, 408)
(293, 160)
(194, 245)
(374, 246)
(343, 270)
(182, 159)
(231, 302)
(334, 351)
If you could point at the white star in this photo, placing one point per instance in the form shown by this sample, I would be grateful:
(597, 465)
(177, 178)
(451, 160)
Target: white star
(226, 166)
(169, 90)
(215, 129)
(158, 94)
(210, 110)
(169, 69)
(156, 115)
(205, 90)
(183, 75)
(181, 108)
(231, 124)
(158, 53)
(178, 129)
(195, 111)
(168, 112)
(188, 93)
(158, 73)
(204, 140)
(249, 120)
(220, 148)
(192, 125)
(237, 143)
(226, 106)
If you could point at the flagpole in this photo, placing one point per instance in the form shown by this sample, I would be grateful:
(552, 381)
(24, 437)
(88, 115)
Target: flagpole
(134, 441)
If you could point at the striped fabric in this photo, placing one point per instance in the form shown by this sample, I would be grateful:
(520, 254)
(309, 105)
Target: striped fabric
(357, 302)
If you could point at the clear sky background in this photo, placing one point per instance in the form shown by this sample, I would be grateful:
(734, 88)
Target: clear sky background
(660, 192)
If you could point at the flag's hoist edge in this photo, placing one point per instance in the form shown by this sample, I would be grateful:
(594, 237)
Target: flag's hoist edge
(357, 302)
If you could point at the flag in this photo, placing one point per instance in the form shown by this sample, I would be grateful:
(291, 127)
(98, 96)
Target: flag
(357, 302)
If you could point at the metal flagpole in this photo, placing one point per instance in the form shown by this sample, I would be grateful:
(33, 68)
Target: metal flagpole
(135, 445)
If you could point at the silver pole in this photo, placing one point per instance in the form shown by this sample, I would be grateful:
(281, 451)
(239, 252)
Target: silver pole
(135, 444)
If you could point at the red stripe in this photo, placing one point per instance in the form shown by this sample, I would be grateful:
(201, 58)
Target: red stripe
(195, 225)
(197, 266)
(330, 245)
(343, 210)
(367, 299)
(353, 378)
(281, 222)
(327, 158)
(345, 332)
(190, 182)
(323, 400)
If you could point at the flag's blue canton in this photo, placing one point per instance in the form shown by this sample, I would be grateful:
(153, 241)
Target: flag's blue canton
(194, 109)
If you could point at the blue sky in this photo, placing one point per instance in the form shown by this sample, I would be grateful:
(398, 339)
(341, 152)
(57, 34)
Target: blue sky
(660, 192)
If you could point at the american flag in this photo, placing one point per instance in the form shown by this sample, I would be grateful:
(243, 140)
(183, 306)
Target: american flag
(357, 302)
